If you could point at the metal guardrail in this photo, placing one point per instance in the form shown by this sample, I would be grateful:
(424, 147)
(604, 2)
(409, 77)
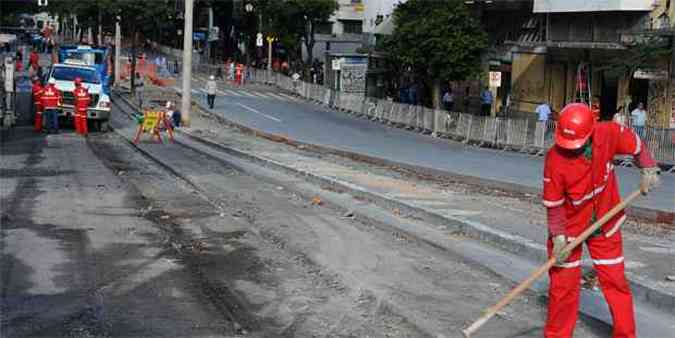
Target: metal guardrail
(523, 135)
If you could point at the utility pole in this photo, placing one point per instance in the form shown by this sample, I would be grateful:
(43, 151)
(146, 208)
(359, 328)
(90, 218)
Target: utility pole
(187, 63)
(118, 47)
(209, 37)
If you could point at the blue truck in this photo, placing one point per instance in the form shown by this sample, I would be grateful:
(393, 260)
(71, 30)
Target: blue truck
(96, 57)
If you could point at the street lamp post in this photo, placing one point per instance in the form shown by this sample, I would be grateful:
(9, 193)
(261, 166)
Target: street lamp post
(249, 9)
(118, 47)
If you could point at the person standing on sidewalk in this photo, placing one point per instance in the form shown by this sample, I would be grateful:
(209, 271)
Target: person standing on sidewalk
(544, 114)
(51, 100)
(448, 100)
(638, 118)
(140, 88)
(211, 87)
(486, 101)
(580, 187)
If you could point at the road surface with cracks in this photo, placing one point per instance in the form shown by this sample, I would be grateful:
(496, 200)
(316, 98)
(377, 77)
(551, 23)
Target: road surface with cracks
(290, 265)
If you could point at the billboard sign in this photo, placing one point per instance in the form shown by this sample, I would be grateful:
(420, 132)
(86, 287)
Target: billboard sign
(567, 6)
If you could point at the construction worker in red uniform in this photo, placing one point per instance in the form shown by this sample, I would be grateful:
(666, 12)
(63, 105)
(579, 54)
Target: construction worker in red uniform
(37, 100)
(239, 72)
(580, 186)
(82, 100)
(51, 100)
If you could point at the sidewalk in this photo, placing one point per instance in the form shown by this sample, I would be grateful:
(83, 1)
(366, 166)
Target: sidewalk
(318, 125)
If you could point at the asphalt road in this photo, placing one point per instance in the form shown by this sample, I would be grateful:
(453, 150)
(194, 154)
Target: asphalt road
(79, 259)
(99, 241)
(317, 125)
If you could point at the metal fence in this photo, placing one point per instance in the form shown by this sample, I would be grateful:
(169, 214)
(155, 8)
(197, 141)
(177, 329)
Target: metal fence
(524, 135)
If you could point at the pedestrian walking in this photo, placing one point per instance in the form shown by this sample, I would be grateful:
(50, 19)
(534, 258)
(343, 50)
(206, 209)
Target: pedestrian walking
(37, 91)
(174, 114)
(448, 100)
(486, 100)
(139, 90)
(580, 187)
(211, 87)
(51, 100)
(638, 118)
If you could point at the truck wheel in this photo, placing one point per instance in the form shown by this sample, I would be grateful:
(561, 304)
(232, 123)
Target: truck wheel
(103, 126)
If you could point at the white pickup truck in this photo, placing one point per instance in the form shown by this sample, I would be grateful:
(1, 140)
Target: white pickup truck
(65, 74)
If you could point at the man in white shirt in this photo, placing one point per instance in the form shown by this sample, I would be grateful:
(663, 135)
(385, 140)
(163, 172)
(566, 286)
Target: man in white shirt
(638, 119)
(448, 100)
(544, 112)
(211, 88)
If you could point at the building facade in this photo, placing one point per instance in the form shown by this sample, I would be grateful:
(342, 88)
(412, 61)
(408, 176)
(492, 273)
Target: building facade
(572, 53)
(342, 33)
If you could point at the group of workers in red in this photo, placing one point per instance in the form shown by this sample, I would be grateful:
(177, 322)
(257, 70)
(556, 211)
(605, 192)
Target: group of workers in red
(47, 101)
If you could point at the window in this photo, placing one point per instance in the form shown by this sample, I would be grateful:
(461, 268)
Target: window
(352, 26)
(70, 73)
(324, 28)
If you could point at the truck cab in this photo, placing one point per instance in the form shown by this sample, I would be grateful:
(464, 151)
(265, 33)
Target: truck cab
(65, 74)
(96, 57)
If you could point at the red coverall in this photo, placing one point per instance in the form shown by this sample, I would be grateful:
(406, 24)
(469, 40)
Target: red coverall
(239, 73)
(582, 190)
(34, 59)
(82, 100)
(39, 108)
(51, 99)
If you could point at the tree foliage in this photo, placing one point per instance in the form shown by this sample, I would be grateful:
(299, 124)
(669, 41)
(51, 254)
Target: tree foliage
(137, 16)
(647, 53)
(294, 22)
(436, 40)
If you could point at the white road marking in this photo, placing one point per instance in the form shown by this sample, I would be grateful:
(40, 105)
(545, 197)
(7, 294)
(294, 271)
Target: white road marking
(288, 96)
(258, 112)
(231, 92)
(263, 95)
(245, 93)
(277, 96)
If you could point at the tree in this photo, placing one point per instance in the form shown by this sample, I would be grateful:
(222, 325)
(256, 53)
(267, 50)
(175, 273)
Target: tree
(647, 53)
(137, 17)
(294, 22)
(436, 40)
(311, 13)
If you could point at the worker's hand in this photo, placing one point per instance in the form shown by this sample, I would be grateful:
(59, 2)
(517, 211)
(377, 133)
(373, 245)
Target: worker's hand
(559, 242)
(649, 179)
